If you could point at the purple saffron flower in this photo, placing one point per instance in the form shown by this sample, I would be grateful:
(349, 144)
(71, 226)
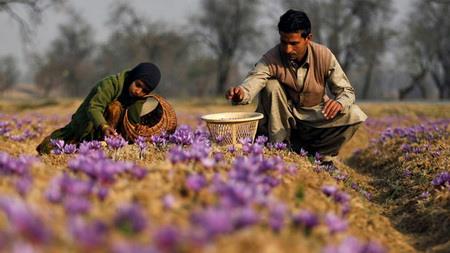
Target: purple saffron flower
(349, 244)
(23, 185)
(261, 139)
(76, 205)
(138, 172)
(218, 156)
(177, 155)
(24, 221)
(374, 247)
(168, 201)
(86, 147)
(303, 152)
(213, 221)
(58, 146)
(115, 142)
(195, 182)
(231, 149)
(334, 223)
(132, 247)
(329, 190)
(89, 235)
(167, 239)
(220, 139)
(70, 149)
(341, 197)
(245, 140)
(280, 145)
(208, 162)
(102, 192)
(159, 140)
(277, 211)
(141, 142)
(305, 218)
(130, 219)
(441, 179)
(182, 136)
(245, 217)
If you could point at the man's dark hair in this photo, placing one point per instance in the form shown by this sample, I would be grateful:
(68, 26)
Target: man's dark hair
(294, 21)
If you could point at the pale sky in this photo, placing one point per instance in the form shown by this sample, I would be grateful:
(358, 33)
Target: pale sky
(173, 12)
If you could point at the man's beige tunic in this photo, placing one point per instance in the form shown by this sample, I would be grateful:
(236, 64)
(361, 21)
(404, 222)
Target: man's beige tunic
(311, 115)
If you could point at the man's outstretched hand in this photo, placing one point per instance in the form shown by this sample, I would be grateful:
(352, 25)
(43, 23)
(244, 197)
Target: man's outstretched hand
(235, 94)
(331, 108)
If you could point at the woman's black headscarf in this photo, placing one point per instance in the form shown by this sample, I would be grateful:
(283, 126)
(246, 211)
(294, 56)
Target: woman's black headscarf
(147, 72)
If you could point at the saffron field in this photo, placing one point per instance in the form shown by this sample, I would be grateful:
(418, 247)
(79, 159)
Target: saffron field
(182, 192)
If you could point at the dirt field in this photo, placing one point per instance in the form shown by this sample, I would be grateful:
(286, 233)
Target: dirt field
(388, 193)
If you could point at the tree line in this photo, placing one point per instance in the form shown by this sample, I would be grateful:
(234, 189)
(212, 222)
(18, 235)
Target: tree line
(382, 59)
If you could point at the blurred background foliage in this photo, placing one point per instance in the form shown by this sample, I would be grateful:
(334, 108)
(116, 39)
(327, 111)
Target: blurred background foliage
(410, 60)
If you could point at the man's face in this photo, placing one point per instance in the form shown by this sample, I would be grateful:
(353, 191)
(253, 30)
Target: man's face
(293, 45)
(138, 89)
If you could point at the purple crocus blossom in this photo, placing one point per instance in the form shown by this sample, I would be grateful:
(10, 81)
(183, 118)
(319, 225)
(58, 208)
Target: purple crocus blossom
(115, 142)
(168, 201)
(58, 146)
(305, 218)
(130, 219)
(24, 221)
(23, 185)
(91, 234)
(141, 142)
(244, 217)
(280, 145)
(177, 155)
(86, 147)
(334, 223)
(231, 149)
(441, 179)
(74, 205)
(352, 245)
(167, 239)
(213, 221)
(277, 212)
(70, 149)
(182, 136)
(132, 247)
(303, 152)
(261, 139)
(337, 195)
(159, 140)
(195, 182)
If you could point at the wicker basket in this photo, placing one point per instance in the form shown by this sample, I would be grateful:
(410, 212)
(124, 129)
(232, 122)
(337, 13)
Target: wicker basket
(230, 127)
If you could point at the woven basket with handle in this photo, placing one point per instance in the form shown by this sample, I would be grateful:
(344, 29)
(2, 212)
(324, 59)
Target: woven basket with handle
(230, 127)
(161, 119)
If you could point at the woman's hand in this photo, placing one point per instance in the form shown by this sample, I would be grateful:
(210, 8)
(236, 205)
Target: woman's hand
(108, 130)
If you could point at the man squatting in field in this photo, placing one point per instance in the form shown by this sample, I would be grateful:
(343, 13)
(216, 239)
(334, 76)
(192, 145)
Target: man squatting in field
(291, 81)
(101, 112)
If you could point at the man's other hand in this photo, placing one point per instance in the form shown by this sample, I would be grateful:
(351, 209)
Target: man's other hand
(331, 108)
(235, 94)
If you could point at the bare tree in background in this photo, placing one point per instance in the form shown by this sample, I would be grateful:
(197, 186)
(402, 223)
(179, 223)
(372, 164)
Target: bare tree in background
(427, 44)
(227, 27)
(8, 73)
(35, 9)
(68, 63)
(356, 31)
(135, 39)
